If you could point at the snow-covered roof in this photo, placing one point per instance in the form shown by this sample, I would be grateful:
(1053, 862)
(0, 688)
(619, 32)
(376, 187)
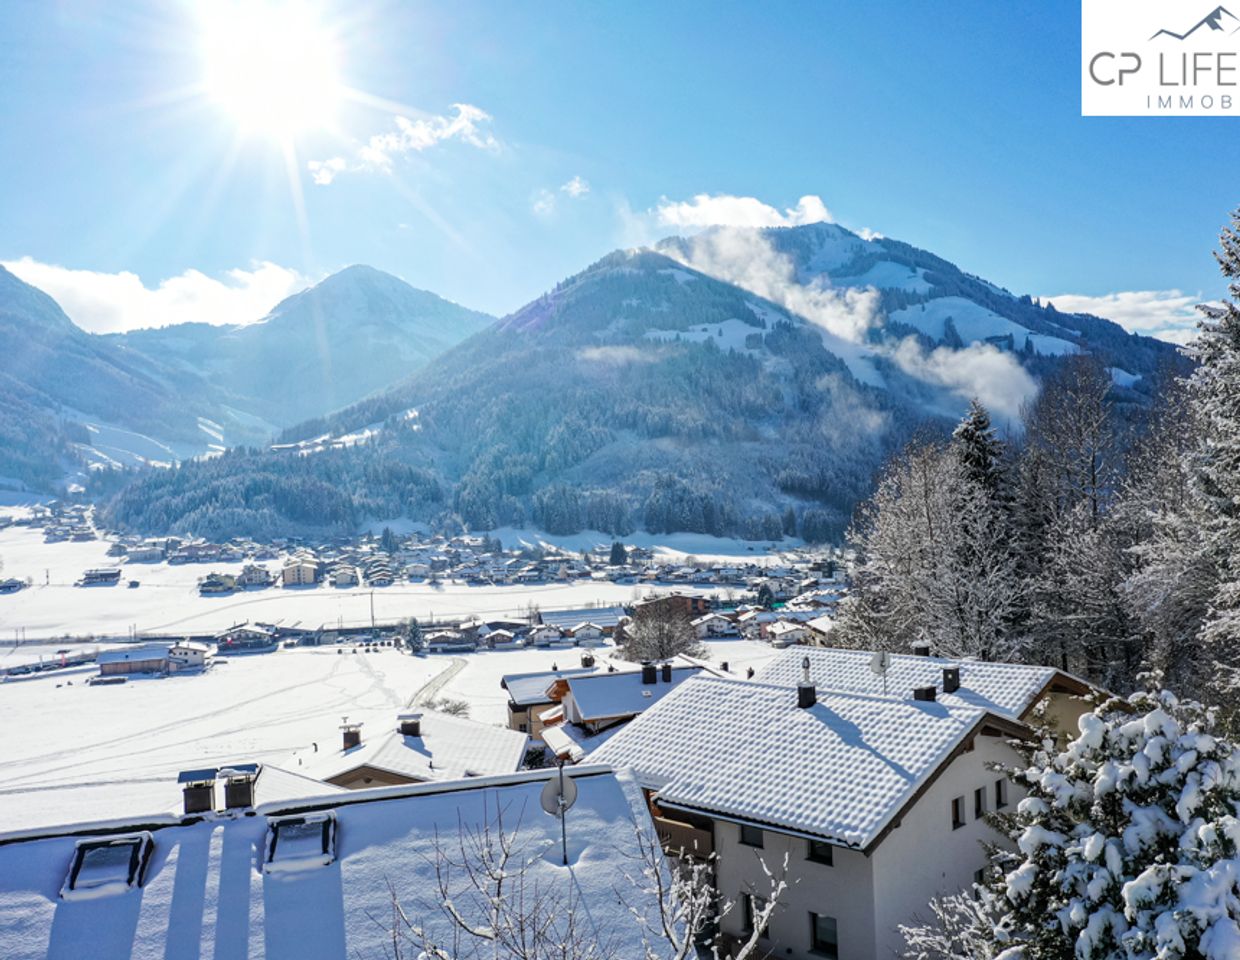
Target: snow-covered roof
(149, 651)
(140, 793)
(609, 695)
(566, 619)
(203, 892)
(562, 743)
(1008, 688)
(448, 748)
(841, 769)
(526, 689)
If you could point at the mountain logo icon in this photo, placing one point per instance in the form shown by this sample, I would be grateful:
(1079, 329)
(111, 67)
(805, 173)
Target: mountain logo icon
(1218, 19)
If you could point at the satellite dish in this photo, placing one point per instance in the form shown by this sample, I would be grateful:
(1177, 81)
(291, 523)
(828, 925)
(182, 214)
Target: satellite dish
(559, 794)
(880, 663)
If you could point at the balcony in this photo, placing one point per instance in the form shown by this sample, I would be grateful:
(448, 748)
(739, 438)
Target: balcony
(682, 839)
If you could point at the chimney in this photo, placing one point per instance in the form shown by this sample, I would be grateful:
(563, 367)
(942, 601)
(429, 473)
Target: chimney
(410, 724)
(587, 659)
(239, 786)
(199, 790)
(807, 696)
(724, 666)
(351, 734)
(649, 673)
(924, 693)
(951, 679)
(667, 673)
(921, 648)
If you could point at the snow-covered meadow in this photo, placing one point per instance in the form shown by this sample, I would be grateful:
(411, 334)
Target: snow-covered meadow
(90, 752)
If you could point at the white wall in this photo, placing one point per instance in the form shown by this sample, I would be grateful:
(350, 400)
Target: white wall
(924, 856)
(842, 891)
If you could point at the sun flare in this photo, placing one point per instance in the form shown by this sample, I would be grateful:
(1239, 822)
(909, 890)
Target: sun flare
(271, 68)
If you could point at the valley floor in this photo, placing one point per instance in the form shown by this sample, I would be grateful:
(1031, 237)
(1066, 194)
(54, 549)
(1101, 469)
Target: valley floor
(167, 600)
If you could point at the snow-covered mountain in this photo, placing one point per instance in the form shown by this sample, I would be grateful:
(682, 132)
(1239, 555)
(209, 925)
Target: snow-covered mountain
(71, 400)
(358, 331)
(714, 385)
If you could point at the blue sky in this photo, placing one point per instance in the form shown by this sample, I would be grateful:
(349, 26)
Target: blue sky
(135, 197)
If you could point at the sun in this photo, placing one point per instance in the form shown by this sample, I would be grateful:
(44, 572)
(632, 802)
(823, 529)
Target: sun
(271, 68)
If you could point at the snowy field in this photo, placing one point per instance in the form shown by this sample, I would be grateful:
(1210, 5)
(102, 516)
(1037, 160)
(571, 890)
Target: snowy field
(168, 600)
(76, 752)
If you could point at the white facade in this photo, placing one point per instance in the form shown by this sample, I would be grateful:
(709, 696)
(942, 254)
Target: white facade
(190, 655)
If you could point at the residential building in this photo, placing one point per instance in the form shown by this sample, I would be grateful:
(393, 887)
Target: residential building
(315, 876)
(785, 633)
(421, 746)
(713, 625)
(869, 799)
(690, 605)
(300, 570)
(529, 694)
(190, 655)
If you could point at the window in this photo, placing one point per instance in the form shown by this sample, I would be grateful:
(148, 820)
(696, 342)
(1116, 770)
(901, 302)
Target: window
(751, 836)
(821, 852)
(979, 803)
(752, 907)
(958, 813)
(1000, 794)
(298, 843)
(102, 868)
(824, 937)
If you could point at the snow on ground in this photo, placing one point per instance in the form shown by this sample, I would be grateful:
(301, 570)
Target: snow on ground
(975, 324)
(1122, 378)
(888, 274)
(167, 600)
(248, 708)
(729, 335)
(675, 546)
(87, 752)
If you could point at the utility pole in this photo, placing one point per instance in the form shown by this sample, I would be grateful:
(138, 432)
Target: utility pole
(372, 609)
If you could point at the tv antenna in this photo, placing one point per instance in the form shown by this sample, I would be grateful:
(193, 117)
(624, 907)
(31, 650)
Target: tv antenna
(558, 796)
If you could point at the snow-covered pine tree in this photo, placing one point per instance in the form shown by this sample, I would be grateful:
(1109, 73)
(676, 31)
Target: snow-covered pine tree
(1214, 466)
(980, 451)
(1127, 840)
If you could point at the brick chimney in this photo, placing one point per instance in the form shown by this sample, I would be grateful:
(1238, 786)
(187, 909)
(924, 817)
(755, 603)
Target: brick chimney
(351, 734)
(198, 790)
(239, 783)
(410, 724)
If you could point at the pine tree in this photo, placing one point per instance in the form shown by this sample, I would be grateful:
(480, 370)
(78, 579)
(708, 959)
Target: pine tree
(1127, 839)
(980, 451)
(1214, 465)
(619, 556)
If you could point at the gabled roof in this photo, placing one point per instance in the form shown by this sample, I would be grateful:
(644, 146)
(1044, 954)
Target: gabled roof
(606, 696)
(565, 619)
(202, 893)
(1006, 688)
(527, 689)
(149, 651)
(449, 747)
(840, 770)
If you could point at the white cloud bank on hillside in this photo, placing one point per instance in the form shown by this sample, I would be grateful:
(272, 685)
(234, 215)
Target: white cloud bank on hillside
(116, 302)
(735, 251)
(1169, 315)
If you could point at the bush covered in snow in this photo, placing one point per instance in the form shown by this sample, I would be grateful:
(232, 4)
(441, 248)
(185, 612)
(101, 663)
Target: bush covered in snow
(1126, 847)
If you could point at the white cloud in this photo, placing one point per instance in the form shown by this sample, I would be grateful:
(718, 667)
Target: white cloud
(747, 258)
(576, 187)
(1166, 314)
(979, 370)
(467, 124)
(115, 302)
(543, 203)
(725, 210)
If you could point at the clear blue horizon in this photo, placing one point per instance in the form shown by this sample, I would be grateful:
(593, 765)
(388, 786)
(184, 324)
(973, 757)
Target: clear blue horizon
(145, 179)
